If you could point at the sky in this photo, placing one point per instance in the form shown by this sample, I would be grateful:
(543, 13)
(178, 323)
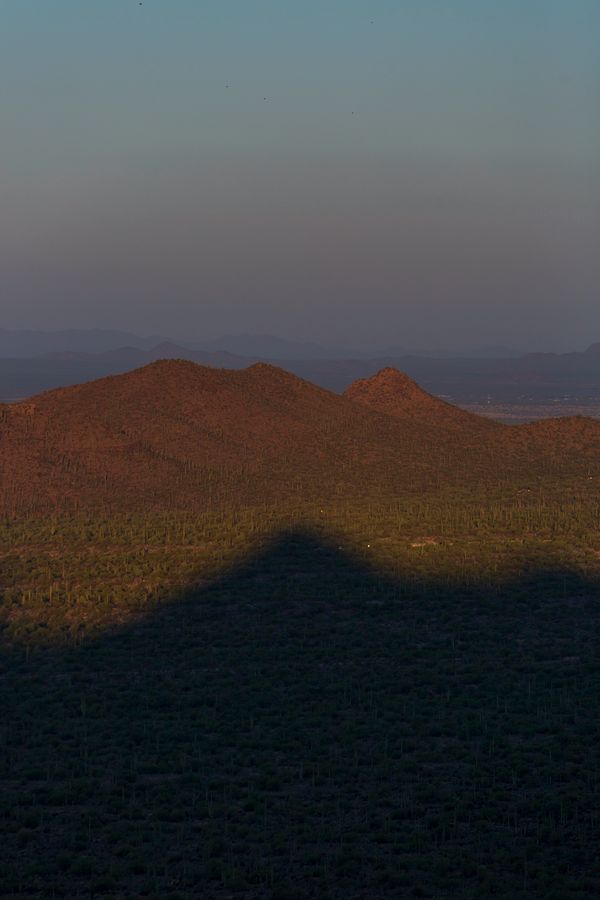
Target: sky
(422, 173)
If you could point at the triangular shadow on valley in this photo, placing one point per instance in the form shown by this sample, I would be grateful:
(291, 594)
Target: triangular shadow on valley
(305, 727)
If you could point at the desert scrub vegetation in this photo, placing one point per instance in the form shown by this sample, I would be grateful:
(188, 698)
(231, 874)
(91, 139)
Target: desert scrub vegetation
(64, 577)
(327, 699)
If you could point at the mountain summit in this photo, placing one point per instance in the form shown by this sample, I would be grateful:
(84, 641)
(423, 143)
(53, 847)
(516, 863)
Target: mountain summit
(394, 393)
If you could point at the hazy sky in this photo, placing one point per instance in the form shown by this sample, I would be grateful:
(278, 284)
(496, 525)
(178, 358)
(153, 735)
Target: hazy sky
(418, 172)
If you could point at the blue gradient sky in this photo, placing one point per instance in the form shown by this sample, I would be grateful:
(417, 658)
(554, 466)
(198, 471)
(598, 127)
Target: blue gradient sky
(421, 172)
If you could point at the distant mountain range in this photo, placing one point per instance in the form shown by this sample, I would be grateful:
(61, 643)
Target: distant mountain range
(28, 343)
(176, 435)
(533, 377)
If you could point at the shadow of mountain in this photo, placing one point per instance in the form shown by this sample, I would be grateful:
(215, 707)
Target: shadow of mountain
(306, 728)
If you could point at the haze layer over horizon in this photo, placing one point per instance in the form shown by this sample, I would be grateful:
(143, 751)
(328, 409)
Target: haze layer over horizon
(361, 174)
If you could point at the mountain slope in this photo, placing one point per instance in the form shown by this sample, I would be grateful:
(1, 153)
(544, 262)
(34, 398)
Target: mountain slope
(177, 433)
(394, 393)
(174, 434)
(560, 439)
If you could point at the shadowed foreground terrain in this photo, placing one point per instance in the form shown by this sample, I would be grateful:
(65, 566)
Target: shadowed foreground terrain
(302, 726)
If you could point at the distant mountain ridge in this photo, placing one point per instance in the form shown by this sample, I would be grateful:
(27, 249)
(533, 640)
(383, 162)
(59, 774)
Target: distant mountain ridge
(15, 343)
(538, 377)
(18, 343)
